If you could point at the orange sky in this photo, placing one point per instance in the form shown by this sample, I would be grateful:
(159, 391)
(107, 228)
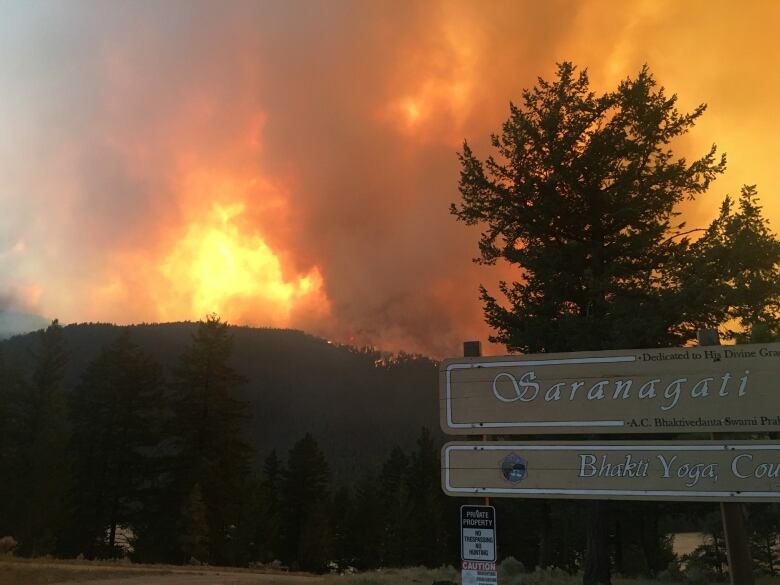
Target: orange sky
(291, 164)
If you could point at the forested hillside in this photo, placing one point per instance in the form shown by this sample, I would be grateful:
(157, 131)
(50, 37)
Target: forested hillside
(357, 403)
(204, 442)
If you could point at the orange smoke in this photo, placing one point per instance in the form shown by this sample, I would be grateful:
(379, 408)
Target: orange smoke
(292, 164)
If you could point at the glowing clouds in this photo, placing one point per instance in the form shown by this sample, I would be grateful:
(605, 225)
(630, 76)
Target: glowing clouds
(165, 160)
(216, 266)
(437, 93)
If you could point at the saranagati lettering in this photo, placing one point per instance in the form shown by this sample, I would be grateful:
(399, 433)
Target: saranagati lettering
(668, 393)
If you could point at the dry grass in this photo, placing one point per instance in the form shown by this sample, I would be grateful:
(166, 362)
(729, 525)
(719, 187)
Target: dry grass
(15, 571)
(395, 576)
(47, 571)
(424, 576)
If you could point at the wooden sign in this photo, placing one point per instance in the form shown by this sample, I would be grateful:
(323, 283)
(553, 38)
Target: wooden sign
(692, 389)
(631, 470)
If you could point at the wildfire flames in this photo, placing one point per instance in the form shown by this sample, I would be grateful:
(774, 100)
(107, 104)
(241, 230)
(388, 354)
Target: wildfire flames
(292, 165)
(217, 259)
(217, 267)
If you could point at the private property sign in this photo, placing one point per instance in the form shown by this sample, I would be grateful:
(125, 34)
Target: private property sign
(478, 533)
(478, 545)
(695, 389)
(658, 470)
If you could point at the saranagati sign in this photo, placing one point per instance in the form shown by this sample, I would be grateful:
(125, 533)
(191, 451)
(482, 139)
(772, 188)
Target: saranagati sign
(696, 389)
(656, 470)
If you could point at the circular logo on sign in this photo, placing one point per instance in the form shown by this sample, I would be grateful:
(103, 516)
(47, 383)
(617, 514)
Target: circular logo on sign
(514, 468)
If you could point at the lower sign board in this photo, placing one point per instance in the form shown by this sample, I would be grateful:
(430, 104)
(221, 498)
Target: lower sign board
(746, 471)
(478, 573)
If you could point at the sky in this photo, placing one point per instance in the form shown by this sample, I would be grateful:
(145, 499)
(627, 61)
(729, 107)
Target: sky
(291, 163)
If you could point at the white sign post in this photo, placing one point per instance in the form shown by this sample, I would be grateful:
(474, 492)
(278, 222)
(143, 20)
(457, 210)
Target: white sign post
(478, 545)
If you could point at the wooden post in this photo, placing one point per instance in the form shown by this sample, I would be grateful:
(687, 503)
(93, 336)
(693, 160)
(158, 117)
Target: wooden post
(474, 349)
(732, 513)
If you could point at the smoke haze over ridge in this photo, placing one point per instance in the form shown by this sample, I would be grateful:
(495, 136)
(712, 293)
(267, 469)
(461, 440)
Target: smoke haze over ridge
(291, 164)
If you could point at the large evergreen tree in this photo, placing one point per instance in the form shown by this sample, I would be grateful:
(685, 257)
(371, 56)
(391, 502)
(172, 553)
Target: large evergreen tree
(733, 271)
(208, 421)
(399, 513)
(583, 198)
(305, 504)
(269, 526)
(193, 527)
(42, 509)
(10, 455)
(428, 537)
(117, 415)
(368, 518)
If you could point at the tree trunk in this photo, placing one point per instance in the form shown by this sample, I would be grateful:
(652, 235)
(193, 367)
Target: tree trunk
(718, 556)
(619, 546)
(650, 537)
(113, 523)
(544, 536)
(597, 570)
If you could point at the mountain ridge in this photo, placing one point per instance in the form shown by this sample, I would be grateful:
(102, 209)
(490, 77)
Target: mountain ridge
(358, 403)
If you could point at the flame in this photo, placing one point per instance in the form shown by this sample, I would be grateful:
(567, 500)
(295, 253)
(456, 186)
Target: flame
(216, 266)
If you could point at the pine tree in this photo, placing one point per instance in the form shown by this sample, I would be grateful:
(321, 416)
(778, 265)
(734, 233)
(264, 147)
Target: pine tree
(368, 524)
(583, 199)
(252, 533)
(270, 525)
(193, 528)
(733, 270)
(10, 455)
(44, 481)
(117, 416)
(429, 533)
(397, 500)
(306, 534)
(765, 537)
(209, 421)
(344, 539)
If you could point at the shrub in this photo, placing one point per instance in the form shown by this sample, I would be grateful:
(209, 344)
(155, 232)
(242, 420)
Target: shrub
(510, 571)
(7, 545)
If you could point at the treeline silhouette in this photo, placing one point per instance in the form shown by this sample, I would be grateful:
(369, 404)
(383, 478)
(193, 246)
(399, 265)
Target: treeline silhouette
(183, 443)
(358, 402)
(161, 460)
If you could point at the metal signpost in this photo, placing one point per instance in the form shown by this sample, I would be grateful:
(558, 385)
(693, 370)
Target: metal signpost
(478, 545)
(704, 389)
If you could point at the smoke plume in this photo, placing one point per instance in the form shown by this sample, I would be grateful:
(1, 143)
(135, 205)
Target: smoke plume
(291, 163)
